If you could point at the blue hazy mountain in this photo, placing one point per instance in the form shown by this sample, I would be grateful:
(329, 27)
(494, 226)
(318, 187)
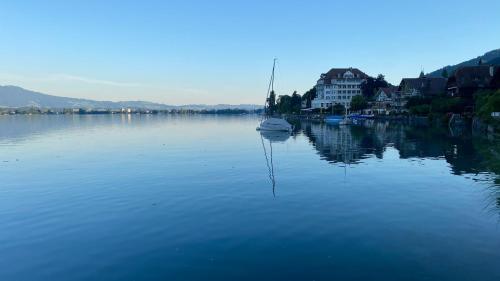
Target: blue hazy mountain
(15, 97)
(491, 57)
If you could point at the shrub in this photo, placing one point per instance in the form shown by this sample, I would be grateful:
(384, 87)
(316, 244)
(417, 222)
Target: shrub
(422, 109)
(487, 102)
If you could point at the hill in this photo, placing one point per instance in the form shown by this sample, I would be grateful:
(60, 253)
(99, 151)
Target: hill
(491, 57)
(16, 97)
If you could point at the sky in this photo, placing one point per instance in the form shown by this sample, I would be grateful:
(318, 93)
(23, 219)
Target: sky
(185, 52)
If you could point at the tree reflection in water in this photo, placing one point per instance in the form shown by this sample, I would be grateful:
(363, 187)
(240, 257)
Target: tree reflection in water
(475, 156)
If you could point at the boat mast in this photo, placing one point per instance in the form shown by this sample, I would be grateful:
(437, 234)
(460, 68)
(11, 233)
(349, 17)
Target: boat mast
(270, 89)
(272, 76)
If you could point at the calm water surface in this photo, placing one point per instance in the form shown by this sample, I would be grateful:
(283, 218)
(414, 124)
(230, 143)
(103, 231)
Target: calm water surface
(193, 198)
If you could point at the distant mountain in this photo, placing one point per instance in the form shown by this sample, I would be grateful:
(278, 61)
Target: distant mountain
(15, 97)
(491, 57)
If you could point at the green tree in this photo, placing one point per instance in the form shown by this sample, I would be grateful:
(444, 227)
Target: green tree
(447, 105)
(271, 103)
(486, 102)
(337, 109)
(368, 88)
(284, 104)
(416, 101)
(358, 103)
(422, 109)
(371, 85)
(444, 73)
(309, 96)
(289, 104)
(296, 103)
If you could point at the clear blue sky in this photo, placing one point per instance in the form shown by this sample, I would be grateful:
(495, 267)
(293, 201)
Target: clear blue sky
(180, 52)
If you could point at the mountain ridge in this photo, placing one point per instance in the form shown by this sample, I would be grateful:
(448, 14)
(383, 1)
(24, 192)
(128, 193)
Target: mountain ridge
(17, 97)
(491, 57)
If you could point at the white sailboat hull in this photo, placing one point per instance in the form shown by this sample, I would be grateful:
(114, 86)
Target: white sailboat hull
(275, 124)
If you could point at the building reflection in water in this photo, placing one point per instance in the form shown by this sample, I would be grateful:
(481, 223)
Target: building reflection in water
(350, 144)
(475, 156)
(342, 144)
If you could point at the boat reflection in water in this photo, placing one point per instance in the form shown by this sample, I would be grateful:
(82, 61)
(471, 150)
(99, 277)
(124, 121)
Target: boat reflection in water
(272, 137)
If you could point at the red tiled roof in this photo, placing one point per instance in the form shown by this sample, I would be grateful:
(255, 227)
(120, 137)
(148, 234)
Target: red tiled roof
(425, 85)
(334, 73)
(474, 76)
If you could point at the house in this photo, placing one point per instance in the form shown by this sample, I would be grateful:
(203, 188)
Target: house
(338, 86)
(422, 86)
(469, 79)
(388, 100)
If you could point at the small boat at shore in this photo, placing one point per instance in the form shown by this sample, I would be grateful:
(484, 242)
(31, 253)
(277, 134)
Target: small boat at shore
(334, 119)
(361, 116)
(338, 119)
(345, 121)
(270, 122)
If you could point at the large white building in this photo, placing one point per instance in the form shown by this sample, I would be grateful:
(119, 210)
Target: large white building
(338, 86)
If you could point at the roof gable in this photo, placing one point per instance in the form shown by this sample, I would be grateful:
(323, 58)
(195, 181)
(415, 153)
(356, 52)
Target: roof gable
(425, 85)
(339, 73)
(474, 76)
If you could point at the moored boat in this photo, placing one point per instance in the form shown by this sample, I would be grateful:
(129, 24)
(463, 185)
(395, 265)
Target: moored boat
(275, 124)
(334, 118)
(270, 122)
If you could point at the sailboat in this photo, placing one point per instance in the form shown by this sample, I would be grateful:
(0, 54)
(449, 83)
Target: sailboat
(268, 121)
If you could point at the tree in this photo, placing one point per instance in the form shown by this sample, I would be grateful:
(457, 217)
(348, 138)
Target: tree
(272, 103)
(422, 109)
(444, 74)
(416, 101)
(336, 109)
(480, 62)
(370, 86)
(486, 102)
(448, 104)
(358, 103)
(309, 96)
(296, 103)
(284, 104)
(380, 82)
(289, 104)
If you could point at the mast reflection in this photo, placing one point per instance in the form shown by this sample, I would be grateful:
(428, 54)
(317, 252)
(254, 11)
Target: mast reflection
(272, 137)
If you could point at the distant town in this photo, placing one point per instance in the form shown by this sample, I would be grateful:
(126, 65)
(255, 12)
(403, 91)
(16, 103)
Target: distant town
(61, 111)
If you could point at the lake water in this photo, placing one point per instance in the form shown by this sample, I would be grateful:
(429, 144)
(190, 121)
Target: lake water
(193, 198)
